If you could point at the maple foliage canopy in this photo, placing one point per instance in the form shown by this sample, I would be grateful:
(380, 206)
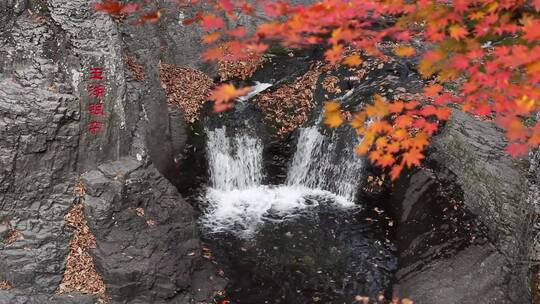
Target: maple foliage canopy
(487, 51)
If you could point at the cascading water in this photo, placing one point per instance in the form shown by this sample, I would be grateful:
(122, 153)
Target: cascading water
(304, 241)
(274, 237)
(320, 163)
(320, 172)
(234, 163)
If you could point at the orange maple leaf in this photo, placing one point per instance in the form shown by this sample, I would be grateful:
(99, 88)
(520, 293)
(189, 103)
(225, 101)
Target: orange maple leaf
(396, 171)
(332, 114)
(223, 94)
(334, 54)
(396, 107)
(214, 53)
(353, 60)
(211, 38)
(386, 160)
(412, 158)
(433, 90)
(457, 31)
(404, 51)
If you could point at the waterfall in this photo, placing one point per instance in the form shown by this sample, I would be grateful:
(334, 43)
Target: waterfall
(234, 163)
(320, 162)
(323, 170)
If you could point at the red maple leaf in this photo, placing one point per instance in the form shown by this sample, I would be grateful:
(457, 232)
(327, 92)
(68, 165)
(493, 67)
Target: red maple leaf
(223, 94)
(115, 7)
(211, 22)
(516, 149)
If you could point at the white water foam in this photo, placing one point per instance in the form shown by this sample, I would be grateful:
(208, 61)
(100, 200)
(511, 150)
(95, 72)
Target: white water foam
(236, 201)
(243, 210)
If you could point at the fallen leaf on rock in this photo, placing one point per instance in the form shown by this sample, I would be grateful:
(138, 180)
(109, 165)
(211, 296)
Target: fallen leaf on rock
(187, 88)
(80, 274)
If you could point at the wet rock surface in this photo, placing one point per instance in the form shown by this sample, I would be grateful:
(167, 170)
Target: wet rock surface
(444, 253)
(148, 248)
(467, 220)
(495, 186)
(46, 51)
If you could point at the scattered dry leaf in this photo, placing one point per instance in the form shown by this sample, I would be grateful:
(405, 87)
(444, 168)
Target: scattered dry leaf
(5, 285)
(79, 188)
(81, 275)
(331, 84)
(242, 69)
(288, 107)
(135, 67)
(12, 236)
(140, 212)
(187, 88)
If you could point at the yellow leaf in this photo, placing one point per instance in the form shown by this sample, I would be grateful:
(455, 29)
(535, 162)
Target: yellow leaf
(525, 105)
(353, 60)
(400, 134)
(404, 51)
(331, 106)
(212, 37)
(358, 120)
(457, 31)
(381, 143)
(533, 68)
(426, 68)
(333, 119)
(492, 6)
(448, 74)
(381, 107)
(477, 15)
(332, 114)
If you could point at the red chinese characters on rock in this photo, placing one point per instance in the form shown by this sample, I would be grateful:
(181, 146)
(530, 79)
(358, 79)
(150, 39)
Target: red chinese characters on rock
(96, 74)
(96, 109)
(97, 92)
(94, 127)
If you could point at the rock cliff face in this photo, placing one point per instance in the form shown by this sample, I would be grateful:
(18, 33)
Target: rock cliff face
(47, 49)
(488, 184)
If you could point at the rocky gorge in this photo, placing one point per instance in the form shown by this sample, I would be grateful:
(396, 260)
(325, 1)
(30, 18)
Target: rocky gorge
(463, 228)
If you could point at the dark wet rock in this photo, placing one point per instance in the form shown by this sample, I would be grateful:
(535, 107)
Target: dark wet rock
(495, 186)
(474, 275)
(46, 51)
(444, 253)
(20, 297)
(468, 222)
(501, 190)
(147, 245)
(39, 137)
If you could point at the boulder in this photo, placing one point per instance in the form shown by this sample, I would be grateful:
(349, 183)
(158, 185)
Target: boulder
(47, 49)
(470, 170)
